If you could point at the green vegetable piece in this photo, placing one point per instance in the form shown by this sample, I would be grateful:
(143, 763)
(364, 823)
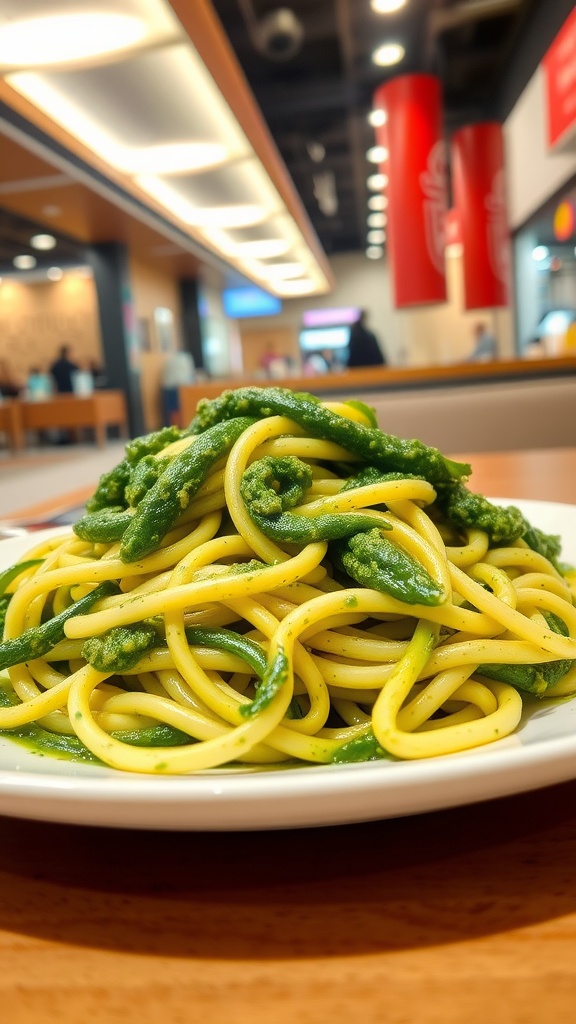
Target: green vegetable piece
(39, 640)
(503, 524)
(152, 444)
(104, 526)
(385, 451)
(233, 643)
(375, 562)
(4, 602)
(143, 477)
(271, 487)
(155, 736)
(370, 475)
(368, 411)
(120, 649)
(274, 679)
(362, 748)
(534, 679)
(112, 485)
(547, 544)
(255, 657)
(179, 482)
(6, 578)
(11, 574)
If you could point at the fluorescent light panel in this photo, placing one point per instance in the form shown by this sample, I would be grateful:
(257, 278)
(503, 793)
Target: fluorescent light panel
(87, 30)
(154, 114)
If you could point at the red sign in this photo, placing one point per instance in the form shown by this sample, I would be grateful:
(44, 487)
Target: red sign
(560, 83)
(417, 187)
(479, 194)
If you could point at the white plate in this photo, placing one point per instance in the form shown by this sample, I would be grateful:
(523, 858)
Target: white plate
(542, 752)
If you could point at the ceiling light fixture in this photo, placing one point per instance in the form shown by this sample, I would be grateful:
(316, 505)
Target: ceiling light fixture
(178, 158)
(61, 38)
(51, 210)
(301, 286)
(377, 154)
(284, 271)
(386, 6)
(123, 95)
(234, 215)
(43, 242)
(266, 248)
(54, 273)
(376, 182)
(376, 237)
(24, 262)
(377, 118)
(374, 252)
(388, 54)
(377, 220)
(540, 252)
(377, 202)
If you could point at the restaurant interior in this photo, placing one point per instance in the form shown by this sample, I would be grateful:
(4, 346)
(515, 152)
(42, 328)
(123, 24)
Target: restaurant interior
(204, 195)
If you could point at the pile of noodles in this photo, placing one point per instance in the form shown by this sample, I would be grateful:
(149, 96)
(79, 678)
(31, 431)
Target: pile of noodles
(366, 675)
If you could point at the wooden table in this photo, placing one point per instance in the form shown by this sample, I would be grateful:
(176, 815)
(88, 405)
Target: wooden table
(467, 915)
(95, 412)
(11, 424)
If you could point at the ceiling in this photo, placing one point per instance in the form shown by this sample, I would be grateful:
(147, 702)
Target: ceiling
(317, 101)
(38, 195)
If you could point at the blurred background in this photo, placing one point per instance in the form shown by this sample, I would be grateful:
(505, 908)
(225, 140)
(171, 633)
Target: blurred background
(193, 193)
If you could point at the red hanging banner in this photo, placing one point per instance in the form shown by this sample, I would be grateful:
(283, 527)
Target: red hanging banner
(477, 156)
(417, 188)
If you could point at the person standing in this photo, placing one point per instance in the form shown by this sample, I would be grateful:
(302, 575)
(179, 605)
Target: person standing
(363, 347)
(484, 345)
(63, 370)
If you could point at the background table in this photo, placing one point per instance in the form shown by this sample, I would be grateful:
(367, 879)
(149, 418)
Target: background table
(467, 915)
(95, 412)
(11, 424)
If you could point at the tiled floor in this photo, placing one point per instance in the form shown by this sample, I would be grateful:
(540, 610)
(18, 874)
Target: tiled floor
(40, 474)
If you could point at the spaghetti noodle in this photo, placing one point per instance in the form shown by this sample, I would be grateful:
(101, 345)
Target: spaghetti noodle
(284, 583)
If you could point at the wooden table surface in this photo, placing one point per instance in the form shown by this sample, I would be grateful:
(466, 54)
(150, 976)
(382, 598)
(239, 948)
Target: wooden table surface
(466, 915)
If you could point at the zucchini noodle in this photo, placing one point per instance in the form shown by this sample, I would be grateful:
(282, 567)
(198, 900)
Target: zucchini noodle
(282, 584)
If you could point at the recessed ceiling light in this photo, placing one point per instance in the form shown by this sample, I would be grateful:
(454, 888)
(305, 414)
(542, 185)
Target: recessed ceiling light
(376, 237)
(376, 182)
(61, 38)
(262, 249)
(541, 252)
(175, 158)
(377, 118)
(386, 6)
(54, 273)
(388, 54)
(43, 242)
(374, 252)
(283, 271)
(377, 202)
(302, 286)
(377, 154)
(377, 220)
(24, 262)
(230, 215)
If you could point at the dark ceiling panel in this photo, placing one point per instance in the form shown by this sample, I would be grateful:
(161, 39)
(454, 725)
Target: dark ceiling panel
(323, 93)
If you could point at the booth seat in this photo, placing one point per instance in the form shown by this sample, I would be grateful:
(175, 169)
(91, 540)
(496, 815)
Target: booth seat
(490, 407)
(495, 416)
